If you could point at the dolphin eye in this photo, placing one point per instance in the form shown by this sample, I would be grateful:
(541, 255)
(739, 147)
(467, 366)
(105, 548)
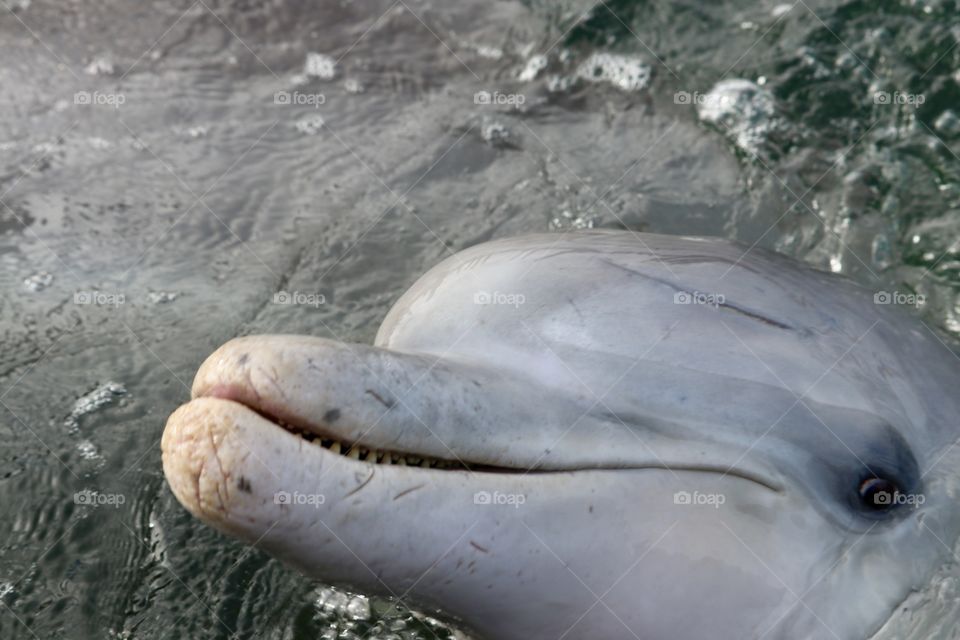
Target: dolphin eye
(879, 494)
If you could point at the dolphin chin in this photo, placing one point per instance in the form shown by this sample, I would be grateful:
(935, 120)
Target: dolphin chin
(553, 436)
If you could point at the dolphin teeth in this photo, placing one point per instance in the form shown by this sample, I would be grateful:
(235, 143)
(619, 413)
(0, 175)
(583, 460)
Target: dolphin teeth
(374, 456)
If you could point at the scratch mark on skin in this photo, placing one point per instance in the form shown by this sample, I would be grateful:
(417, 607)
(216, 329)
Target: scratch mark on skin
(408, 491)
(272, 377)
(478, 547)
(721, 305)
(250, 385)
(196, 485)
(223, 476)
(388, 404)
(756, 316)
(365, 483)
(577, 309)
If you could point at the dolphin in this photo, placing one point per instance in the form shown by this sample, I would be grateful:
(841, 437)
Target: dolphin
(597, 435)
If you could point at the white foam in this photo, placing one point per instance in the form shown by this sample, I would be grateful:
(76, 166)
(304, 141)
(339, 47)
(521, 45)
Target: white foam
(310, 125)
(624, 72)
(38, 282)
(743, 110)
(100, 66)
(319, 65)
(534, 66)
(99, 397)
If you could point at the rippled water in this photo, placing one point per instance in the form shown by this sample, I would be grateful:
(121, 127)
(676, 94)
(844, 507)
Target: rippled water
(168, 168)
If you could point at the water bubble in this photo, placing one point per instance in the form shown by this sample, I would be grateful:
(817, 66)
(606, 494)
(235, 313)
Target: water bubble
(99, 397)
(558, 83)
(88, 450)
(99, 143)
(38, 282)
(494, 133)
(332, 601)
(744, 111)
(100, 66)
(310, 125)
(320, 66)
(492, 53)
(781, 9)
(534, 66)
(881, 251)
(358, 608)
(624, 72)
(947, 123)
(568, 220)
(161, 297)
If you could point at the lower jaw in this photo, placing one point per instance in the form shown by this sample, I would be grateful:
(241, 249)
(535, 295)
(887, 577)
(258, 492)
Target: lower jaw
(229, 465)
(376, 525)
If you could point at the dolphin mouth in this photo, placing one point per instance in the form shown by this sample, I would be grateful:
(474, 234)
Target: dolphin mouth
(342, 400)
(337, 444)
(354, 450)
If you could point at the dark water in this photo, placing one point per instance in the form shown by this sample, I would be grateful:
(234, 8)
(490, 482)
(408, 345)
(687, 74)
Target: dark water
(167, 168)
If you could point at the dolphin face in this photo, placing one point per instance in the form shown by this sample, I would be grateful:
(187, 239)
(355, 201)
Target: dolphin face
(598, 435)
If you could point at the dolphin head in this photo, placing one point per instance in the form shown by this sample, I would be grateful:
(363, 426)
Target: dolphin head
(599, 435)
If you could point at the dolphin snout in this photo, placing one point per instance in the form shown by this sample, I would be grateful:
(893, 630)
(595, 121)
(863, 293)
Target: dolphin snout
(202, 449)
(384, 399)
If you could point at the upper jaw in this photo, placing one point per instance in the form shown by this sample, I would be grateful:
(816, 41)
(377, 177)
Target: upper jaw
(382, 399)
(436, 412)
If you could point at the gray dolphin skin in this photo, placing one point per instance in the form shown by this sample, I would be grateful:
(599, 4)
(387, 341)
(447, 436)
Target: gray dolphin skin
(597, 435)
